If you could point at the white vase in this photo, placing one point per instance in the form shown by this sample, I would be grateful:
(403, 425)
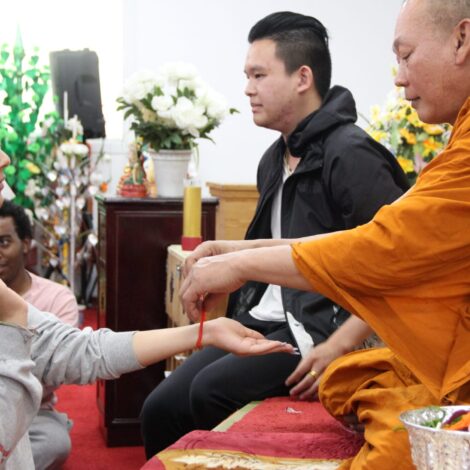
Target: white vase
(170, 167)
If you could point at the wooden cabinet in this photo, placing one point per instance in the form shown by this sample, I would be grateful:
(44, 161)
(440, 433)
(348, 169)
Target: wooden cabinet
(173, 307)
(133, 238)
(237, 204)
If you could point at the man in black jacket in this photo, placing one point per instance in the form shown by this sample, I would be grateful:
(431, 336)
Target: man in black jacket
(322, 175)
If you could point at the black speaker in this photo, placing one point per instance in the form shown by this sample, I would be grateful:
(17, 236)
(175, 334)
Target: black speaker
(77, 73)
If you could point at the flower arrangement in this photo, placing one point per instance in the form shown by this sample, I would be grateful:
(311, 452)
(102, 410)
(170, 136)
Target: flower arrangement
(173, 107)
(399, 129)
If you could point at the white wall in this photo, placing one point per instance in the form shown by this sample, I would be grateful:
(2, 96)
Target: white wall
(53, 25)
(212, 34)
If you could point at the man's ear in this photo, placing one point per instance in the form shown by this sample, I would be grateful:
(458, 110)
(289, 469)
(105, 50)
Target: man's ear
(306, 79)
(26, 245)
(462, 42)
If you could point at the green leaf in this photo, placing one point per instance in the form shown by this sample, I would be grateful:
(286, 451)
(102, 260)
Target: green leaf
(24, 174)
(10, 170)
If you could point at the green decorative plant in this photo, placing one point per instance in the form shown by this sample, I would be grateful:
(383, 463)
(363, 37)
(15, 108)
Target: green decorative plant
(28, 136)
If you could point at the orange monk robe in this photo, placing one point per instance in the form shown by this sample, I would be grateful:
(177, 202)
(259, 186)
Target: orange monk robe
(407, 272)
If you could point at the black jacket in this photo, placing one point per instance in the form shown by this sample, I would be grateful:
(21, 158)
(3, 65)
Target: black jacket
(342, 179)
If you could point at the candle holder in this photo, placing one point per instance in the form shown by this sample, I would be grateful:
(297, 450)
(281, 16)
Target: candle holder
(192, 206)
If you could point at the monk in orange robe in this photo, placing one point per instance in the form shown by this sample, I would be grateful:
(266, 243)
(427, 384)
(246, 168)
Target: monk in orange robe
(406, 273)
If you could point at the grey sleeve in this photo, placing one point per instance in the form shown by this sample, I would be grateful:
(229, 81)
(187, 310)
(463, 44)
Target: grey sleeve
(20, 391)
(64, 354)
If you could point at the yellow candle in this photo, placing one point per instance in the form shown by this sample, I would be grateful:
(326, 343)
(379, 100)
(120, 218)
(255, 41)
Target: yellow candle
(192, 211)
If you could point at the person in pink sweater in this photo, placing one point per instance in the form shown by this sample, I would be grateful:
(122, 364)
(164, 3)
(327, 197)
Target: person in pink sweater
(49, 431)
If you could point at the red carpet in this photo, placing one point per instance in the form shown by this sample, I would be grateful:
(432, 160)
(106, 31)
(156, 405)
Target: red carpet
(89, 451)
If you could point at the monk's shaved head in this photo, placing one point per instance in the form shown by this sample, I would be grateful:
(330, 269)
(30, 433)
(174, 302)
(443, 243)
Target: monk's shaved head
(446, 14)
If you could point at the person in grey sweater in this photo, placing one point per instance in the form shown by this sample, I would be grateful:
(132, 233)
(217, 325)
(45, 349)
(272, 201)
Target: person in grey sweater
(37, 350)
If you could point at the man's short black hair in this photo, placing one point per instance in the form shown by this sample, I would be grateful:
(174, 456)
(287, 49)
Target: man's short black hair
(21, 220)
(300, 40)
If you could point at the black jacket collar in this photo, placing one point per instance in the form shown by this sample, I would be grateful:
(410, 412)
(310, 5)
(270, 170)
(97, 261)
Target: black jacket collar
(337, 108)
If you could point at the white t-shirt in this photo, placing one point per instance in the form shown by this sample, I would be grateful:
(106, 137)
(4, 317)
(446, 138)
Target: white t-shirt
(270, 306)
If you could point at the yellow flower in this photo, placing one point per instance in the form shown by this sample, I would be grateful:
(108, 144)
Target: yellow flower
(379, 136)
(433, 129)
(413, 119)
(408, 136)
(401, 113)
(375, 113)
(430, 146)
(399, 128)
(406, 165)
(33, 169)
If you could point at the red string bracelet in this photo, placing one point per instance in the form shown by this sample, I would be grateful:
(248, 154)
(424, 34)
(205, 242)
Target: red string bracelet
(201, 324)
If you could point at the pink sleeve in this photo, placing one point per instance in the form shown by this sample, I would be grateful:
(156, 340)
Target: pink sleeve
(52, 297)
(65, 307)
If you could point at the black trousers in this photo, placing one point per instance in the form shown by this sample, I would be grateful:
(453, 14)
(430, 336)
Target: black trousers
(211, 384)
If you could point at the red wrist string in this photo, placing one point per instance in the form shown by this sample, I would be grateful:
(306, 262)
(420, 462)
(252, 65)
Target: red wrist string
(201, 324)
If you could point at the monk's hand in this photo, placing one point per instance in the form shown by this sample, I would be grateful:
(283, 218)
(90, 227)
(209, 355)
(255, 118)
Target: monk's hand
(232, 336)
(209, 248)
(306, 377)
(207, 281)
(13, 309)
(352, 422)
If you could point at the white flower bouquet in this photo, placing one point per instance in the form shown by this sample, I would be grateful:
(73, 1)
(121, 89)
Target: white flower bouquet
(173, 107)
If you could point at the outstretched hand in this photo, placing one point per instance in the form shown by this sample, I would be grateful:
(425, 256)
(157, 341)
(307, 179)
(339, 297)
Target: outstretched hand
(307, 374)
(232, 336)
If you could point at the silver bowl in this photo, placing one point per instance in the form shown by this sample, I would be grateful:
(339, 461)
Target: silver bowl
(434, 448)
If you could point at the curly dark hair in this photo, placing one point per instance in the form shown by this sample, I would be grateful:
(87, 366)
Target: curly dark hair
(20, 218)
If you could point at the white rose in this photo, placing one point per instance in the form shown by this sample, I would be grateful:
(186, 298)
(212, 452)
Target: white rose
(166, 118)
(175, 71)
(162, 103)
(217, 107)
(140, 84)
(191, 85)
(188, 117)
(214, 102)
